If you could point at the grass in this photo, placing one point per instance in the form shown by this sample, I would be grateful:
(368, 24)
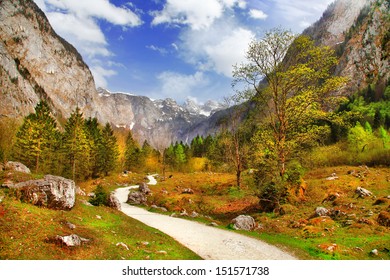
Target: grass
(355, 232)
(27, 232)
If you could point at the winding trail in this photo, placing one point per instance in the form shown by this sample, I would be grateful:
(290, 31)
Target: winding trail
(208, 242)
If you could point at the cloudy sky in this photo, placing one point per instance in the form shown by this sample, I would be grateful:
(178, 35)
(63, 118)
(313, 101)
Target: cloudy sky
(172, 48)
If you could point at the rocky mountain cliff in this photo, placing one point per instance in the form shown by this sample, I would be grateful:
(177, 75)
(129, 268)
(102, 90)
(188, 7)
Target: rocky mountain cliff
(359, 30)
(36, 63)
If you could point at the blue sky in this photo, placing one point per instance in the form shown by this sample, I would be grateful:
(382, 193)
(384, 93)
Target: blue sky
(172, 48)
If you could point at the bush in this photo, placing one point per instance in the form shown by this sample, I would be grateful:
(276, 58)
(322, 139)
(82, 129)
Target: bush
(272, 196)
(100, 198)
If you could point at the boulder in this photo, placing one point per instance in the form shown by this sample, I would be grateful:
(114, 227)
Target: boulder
(362, 192)
(72, 240)
(53, 192)
(17, 166)
(113, 202)
(143, 188)
(136, 198)
(244, 222)
(321, 211)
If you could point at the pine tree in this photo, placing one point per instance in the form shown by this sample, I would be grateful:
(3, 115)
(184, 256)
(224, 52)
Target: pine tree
(132, 153)
(94, 136)
(108, 150)
(37, 139)
(76, 146)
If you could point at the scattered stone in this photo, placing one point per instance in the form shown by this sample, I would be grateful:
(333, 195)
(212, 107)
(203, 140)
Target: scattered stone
(184, 213)
(70, 225)
(332, 248)
(348, 222)
(362, 192)
(384, 219)
(122, 245)
(374, 252)
(136, 198)
(370, 213)
(165, 192)
(244, 222)
(365, 221)
(213, 224)
(98, 217)
(1, 199)
(53, 192)
(332, 177)
(194, 214)
(72, 240)
(143, 188)
(17, 166)
(79, 191)
(163, 209)
(321, 211)
(161, 252)
(113, 202)
(187, 191)
(145, 243)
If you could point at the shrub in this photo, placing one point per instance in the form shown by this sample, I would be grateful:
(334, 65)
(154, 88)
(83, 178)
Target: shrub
(100, 198)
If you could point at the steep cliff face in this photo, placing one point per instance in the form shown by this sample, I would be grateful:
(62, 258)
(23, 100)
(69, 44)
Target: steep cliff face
(359, 32)
(35, 63)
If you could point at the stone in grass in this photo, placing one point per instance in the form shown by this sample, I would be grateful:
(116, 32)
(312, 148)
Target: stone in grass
(362, 192)
(321, 211)
(72, 240)
(122, 245)
(244, 222)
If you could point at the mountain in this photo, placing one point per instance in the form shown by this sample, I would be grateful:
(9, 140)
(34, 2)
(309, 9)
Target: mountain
(359, 31)
(36, 63)
(158, 121)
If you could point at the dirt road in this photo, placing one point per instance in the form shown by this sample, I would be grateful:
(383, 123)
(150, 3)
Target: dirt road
(208, 242)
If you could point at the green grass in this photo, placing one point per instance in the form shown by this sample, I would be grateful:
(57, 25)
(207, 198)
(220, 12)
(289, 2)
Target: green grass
(27, 232)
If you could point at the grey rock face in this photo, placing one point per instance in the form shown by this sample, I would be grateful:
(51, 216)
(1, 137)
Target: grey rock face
(244, 222)
(113, 202)
(143, 188)
(136, 198)
(52, 192)
(17, 166)
(321, 211)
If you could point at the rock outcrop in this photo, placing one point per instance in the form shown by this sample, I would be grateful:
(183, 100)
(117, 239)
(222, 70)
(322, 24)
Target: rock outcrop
(244, 222)
(52, 192)
(17, 166)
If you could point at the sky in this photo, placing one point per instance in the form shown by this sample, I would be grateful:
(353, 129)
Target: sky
(172, 48)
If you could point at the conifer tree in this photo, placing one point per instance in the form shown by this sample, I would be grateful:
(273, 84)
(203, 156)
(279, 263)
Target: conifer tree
(132, 153)
(76, 146)
(37, 139)
(94, 136)
(108, 150)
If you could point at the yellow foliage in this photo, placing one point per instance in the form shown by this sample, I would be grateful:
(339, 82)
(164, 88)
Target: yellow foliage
(198, 164)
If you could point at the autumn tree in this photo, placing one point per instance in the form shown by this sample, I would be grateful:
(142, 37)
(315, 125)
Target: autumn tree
(132, 153)
(292, 79)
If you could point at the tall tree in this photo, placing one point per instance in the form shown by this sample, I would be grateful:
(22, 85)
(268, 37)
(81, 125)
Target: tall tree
(132, 153)
(295, 90)
(76, 146)
(37, 138)
(108, 150)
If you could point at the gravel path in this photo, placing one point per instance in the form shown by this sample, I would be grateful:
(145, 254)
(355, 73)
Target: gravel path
(208, 242)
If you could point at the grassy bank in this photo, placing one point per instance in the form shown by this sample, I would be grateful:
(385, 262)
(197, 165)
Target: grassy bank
(27, 232)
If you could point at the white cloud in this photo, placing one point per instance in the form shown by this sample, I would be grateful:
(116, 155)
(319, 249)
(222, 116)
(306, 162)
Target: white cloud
(198, 14)
(181, 85)
(296, 11)
(77, 22)
(157, 49)
(257, 14)
(101, 9)
(101, 74)
(218, 48)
